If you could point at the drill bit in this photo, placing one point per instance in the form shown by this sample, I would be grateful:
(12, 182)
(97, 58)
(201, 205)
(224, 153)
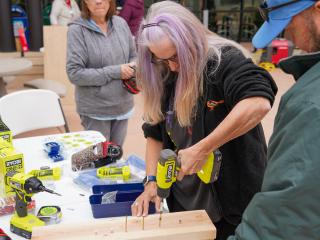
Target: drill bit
(160, 215)
(49, 190)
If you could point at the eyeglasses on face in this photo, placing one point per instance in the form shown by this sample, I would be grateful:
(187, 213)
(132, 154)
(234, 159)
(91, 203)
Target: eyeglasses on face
(265, 10)
(156, 60)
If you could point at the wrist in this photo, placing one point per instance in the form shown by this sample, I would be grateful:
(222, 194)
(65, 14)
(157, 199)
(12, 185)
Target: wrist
(204, 147)
(150, 185)
(148, 179)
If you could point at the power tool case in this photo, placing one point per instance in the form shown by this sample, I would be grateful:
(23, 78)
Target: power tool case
(126, 195)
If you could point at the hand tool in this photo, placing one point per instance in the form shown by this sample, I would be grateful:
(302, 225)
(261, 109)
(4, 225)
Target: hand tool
(24, 185)
(54, 151)
(114, 172)
(50, 214)
(169, 165)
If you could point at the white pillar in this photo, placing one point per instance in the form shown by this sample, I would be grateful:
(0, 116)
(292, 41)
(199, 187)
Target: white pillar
(206, 17)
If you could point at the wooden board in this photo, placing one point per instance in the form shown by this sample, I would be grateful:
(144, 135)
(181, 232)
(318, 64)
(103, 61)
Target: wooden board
(178, 226)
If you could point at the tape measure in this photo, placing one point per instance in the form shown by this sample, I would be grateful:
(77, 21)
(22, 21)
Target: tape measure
(114, 172)
(50, 214)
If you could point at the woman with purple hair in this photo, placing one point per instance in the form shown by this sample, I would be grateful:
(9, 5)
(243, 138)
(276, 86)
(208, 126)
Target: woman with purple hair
(201, 93)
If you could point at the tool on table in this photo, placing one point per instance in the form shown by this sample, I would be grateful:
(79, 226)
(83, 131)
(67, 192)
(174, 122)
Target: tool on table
(114, 172)
(47, 173)
(88, 157)
(54, 151)
(169, 166)
(50, 214)
(3, 235)
(24, 185)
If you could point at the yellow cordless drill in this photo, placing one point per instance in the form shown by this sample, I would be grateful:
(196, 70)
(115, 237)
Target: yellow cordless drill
(169, 166)
(24, 185)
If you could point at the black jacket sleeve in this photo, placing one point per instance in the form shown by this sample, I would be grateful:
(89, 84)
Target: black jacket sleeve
(153, 131)
(241, 78)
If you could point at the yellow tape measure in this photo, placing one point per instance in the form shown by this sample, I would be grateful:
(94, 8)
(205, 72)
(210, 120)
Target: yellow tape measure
(50, 214)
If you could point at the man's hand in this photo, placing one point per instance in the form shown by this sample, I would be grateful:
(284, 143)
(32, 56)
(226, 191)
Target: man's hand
(141, 206)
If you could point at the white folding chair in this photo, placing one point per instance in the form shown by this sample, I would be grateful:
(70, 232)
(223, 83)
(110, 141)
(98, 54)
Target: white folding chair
(28, 110)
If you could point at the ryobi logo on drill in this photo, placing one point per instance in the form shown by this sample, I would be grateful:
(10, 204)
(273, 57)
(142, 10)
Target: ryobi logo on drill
(170, 171)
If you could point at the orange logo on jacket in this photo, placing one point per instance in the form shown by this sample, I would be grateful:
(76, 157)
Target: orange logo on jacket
(211, 104)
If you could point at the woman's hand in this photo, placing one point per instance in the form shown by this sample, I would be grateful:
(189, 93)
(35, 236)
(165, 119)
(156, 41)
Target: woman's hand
(141, 206)
(127, 71)
(192, 159)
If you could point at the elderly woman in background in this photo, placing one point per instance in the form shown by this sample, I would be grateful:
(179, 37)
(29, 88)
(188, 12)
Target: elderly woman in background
(100, 53)
(63, 12)
(201, 93)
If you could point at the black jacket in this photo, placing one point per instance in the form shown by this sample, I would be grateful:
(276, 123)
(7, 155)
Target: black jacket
(244, 158)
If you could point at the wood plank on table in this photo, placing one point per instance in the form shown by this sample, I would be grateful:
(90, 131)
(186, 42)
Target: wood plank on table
(187, 225)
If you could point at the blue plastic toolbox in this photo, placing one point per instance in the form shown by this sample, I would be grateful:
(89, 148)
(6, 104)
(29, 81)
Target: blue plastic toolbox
(126, 195)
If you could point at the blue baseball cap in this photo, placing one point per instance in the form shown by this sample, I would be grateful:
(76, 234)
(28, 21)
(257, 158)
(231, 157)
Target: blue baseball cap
(278, 19)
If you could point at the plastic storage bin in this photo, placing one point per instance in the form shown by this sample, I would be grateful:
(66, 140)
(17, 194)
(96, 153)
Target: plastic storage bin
(126, 195)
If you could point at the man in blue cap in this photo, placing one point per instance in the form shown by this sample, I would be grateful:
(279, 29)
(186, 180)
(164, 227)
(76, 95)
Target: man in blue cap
(288, 206)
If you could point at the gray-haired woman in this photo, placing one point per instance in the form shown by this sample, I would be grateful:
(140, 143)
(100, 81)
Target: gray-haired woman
(201, 93)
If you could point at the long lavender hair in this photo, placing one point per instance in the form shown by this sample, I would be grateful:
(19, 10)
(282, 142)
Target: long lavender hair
(194, 45)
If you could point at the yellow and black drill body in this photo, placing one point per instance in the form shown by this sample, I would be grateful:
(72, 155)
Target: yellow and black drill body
(169, 166)
(24, 185)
